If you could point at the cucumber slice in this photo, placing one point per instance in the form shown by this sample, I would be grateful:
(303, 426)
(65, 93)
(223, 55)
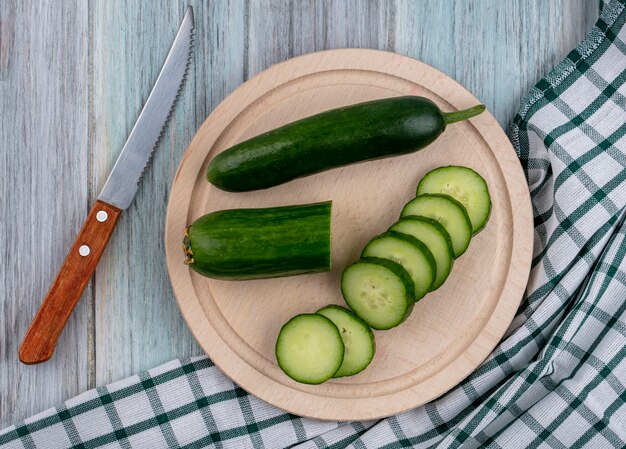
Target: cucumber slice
(409, 252)
(436, 238)
(447, 211)
(379, 291)
(309, 348)
(358, 339)
(464, 185)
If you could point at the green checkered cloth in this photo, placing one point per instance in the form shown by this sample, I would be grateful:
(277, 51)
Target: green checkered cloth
(557, 379)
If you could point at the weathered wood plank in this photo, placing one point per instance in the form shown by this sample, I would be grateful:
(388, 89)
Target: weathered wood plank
(44, 166)
(498, 50)
(281, 29)
(137, 322)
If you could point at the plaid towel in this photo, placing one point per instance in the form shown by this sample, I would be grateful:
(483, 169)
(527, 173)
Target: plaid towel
(558, 378)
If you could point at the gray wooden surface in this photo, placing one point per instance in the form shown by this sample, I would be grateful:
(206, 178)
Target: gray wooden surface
(73, 78)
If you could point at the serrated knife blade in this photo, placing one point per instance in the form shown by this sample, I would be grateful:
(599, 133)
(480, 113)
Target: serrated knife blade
(118, 192)
(123, 182)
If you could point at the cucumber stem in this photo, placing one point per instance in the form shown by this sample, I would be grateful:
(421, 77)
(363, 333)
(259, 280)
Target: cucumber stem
(453, 117)
(187, 248)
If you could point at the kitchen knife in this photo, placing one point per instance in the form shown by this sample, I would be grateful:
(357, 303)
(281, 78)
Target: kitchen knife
(117, 194)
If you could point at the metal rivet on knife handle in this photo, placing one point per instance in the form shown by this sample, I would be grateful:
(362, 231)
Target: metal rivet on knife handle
(102, 216)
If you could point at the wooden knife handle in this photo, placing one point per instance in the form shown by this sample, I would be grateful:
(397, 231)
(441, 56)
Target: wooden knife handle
(68, 286)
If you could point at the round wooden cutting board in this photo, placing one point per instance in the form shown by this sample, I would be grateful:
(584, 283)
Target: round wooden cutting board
(451, 330)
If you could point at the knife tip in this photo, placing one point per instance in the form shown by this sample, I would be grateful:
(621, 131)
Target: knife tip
(189, 13)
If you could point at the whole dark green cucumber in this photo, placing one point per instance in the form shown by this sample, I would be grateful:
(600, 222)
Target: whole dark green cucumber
(260, 243)
(334, 138)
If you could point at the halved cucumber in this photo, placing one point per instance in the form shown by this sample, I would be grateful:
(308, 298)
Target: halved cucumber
(309, 348)
(435, 237)
(379, 291)
(464, 185)
(409, 252)
(358, 339)
(447, 211)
